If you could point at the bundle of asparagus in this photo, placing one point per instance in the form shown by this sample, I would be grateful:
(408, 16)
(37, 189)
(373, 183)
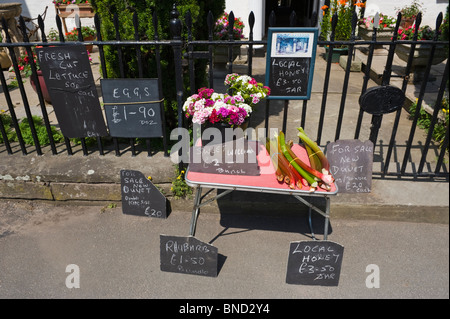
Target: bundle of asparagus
(295, 172)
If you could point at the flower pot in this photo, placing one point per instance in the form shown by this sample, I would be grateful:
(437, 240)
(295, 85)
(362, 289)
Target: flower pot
(85, 10)
(421, 57)
(213, 140)
(337, 52)
(407, 22)
(221, 55)
(222, 127)
(43, 86)
(5, 61)
(421, 54)
(382, 35)
(89, 47)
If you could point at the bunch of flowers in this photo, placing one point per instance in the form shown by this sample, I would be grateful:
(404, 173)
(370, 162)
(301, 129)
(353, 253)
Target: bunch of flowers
(247, 87)
(23, 62)
(210, 107)
(385, 22)
(425, 33)
(221, 28)
(67, 2)
(85, 31)
(412, 10)
(344, 10)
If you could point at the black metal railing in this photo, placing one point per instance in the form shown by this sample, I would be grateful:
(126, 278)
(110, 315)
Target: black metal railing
(186, 49)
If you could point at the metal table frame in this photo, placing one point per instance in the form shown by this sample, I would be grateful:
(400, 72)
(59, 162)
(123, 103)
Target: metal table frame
(298, 194)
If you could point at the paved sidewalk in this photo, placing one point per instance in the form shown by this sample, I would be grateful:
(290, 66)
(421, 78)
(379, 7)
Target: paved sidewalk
(118, 256)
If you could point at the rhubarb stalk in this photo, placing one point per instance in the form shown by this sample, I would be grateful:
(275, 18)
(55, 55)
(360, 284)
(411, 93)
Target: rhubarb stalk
(326, 178)
(282, 164)
(315, 149)
(283, 147)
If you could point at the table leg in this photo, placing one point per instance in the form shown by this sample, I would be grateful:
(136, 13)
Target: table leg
(325, 214)
(195, 210)
(311, 228)
(327, 218)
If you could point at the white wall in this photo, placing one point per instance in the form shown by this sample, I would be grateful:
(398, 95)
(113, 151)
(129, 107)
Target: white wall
(389, 7)
(32, 8)
(242, 9)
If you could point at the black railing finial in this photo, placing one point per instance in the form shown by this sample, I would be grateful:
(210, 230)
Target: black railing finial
(175, 23)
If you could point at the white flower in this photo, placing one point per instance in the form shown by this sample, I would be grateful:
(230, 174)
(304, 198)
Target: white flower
(244, 78)
(217, 96)
(219, 104)
(246, 107)
(200, 104)
(187, 103)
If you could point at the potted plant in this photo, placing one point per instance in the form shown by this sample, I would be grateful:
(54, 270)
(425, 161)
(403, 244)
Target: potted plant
(422, 51)
(23, 62)
(344, 10)
(5, 61)
(221, 33)
(83, 5)
(384, 31)
(88, 34)
(211, 109)
(409, 13)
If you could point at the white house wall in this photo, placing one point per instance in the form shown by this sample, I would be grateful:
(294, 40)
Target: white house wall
(242, 8)
(389, 7)
(32, 8)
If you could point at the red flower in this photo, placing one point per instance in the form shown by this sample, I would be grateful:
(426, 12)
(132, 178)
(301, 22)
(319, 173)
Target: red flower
(213, 118)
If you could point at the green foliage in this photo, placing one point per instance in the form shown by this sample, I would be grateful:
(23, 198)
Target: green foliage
(7, 124)
(144, 8)
(179, 187)
(424, 121)
(344, 10)
(41, 131)
(25, 129)
(412, 10)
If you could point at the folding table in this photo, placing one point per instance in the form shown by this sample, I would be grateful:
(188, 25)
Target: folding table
(266, 182)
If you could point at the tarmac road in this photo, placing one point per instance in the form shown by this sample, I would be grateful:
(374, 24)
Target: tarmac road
(117, 255)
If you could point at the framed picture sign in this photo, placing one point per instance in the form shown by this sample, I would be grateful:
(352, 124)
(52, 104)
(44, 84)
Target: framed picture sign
(291, 55)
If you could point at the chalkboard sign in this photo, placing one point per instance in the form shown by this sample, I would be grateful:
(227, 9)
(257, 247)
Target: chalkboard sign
(70, 83)
(188, 255)
(290, 62)
(132, 107)
(238, 157)
(351, 165)
(140, 197)
(316, 263)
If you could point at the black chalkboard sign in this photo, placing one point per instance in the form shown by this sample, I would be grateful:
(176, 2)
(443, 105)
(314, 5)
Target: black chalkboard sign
(290, 62)
(351, 164)
(316, 263)
(236, 157)
(140, 197)
(132, 107)
(70, 83)
(188, 255)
